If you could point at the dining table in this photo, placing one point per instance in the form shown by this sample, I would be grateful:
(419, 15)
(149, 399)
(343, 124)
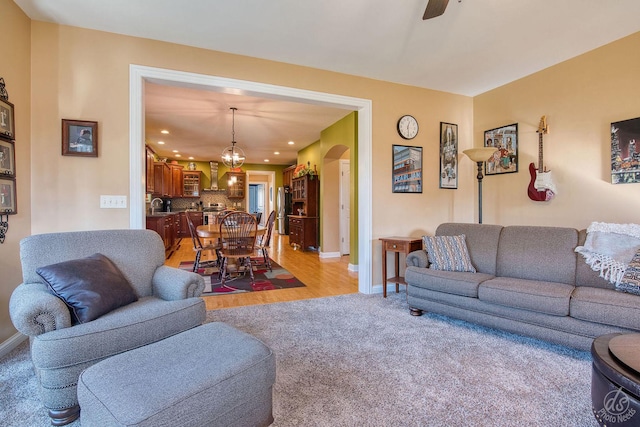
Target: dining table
(212, 231)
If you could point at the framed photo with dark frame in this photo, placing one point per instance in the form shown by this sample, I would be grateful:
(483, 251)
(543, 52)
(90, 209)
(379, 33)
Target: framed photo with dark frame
(7, 121)
(407, 169)
(505, 139)
(625, 151)
(448, 155)
(7, 158)
(8, 201)
(79, 138)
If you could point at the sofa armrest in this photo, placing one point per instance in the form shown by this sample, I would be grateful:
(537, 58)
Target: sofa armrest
(172, 284)
(34, 310)
(418, 259)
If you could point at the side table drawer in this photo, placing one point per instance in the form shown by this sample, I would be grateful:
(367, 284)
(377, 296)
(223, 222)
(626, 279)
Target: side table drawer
(397, 246)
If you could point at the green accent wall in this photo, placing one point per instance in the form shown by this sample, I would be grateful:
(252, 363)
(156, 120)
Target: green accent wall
(342, 134)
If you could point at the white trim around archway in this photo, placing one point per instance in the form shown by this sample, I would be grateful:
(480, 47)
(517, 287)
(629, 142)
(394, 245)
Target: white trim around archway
(139, 74)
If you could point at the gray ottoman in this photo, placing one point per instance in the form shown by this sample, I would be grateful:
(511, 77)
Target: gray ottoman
(211, 375)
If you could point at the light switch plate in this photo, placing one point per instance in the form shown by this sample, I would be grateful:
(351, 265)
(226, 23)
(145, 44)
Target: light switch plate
(113, 202)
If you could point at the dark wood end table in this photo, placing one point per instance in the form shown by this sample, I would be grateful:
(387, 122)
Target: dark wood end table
(398, 245)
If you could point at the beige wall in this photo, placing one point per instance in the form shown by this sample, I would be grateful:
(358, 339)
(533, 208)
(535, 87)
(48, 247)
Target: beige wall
(15, 70)
(580, 97)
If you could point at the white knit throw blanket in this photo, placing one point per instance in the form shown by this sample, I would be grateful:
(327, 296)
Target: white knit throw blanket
(609, 248)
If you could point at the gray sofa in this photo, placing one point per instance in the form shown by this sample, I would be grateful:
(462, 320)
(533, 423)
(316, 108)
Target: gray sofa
(529, 281)
(167, 304)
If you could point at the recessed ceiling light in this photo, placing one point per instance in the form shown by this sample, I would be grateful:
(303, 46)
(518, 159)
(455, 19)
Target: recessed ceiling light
(160, 142)
(175, 151)
(190, 157)
(266, 160)
(276, 153)
(164, 131)
(178, 155)
(291, 142)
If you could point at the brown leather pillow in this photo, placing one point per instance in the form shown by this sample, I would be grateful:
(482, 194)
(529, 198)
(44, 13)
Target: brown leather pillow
(91, 286)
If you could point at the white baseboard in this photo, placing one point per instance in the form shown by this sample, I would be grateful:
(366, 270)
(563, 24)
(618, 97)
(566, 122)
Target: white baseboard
(324, 255)
(354, 268)
(13, 341)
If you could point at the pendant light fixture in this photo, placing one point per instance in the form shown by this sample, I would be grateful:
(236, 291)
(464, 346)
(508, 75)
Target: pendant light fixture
(232, 156)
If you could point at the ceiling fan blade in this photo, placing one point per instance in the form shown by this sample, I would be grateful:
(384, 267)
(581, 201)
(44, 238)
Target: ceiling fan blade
(435, 8)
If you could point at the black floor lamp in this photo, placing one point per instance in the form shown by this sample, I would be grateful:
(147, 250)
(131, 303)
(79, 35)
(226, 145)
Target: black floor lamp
(480, 155)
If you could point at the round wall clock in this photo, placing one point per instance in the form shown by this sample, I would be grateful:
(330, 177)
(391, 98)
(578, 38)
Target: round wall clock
(408, 127)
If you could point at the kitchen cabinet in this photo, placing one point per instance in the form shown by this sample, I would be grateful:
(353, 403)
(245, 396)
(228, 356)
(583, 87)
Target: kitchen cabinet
(235, 190)
(303, 231)
(304, 224)
(161, 179)
(149, 167)
(287, 175)
(166, 226)
(177, 185)
(183, 228)
(192, 183)
(167, 180)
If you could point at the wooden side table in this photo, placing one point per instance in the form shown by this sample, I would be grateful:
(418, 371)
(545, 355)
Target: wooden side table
(398, 245)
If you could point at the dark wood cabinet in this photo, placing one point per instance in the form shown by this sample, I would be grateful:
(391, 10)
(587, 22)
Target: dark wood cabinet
(287, 175)
(167, 227)
(149, 167)
(167, 180)
(176, 180)
(304, 223)
(162, 179)
(235, 184)
(303, 231)
(183, 227)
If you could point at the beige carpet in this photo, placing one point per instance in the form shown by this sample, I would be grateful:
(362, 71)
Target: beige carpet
(357, 360)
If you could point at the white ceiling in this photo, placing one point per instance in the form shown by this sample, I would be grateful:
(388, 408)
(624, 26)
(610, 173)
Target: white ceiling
(475, 46)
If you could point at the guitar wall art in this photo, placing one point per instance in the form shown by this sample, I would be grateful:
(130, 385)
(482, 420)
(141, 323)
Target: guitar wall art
(541, 187)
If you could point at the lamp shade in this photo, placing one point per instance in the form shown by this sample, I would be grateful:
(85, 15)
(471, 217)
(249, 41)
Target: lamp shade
(481, 154)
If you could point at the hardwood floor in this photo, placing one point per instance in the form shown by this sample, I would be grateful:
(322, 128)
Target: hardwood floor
(322, 277)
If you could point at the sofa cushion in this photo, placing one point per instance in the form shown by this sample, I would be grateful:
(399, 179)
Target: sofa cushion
(482, 242)
(631, 280)
(457, 283)
(91, 286)
(448, 253)
(538, 253)
(606, 306)
(541, 296)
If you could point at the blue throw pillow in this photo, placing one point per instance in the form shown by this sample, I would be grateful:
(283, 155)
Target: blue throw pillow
(91, 286)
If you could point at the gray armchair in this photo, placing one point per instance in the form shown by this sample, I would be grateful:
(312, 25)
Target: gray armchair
(168, 303)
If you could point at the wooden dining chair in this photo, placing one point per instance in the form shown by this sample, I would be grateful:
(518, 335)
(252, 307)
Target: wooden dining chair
(198, 247)
(238, 233)
(263, 245)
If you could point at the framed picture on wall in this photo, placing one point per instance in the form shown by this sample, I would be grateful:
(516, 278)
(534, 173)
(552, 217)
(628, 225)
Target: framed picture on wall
(8, 202)
(505, 139)
(7, 121)
(7, 158)
(407, 169)
(448, 155)
(625, 151)
(79, 138)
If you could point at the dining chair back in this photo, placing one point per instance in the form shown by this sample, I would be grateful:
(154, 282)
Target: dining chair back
(198, 247)
(238, 232)
(265, 243)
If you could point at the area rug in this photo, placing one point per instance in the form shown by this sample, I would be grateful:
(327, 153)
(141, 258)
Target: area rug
(362, 360)
(240, 282)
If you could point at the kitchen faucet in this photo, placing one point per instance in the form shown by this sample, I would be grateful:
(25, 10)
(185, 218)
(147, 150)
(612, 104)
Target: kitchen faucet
(153, 207)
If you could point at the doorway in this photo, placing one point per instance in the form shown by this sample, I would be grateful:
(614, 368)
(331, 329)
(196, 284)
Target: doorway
(139, 74)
